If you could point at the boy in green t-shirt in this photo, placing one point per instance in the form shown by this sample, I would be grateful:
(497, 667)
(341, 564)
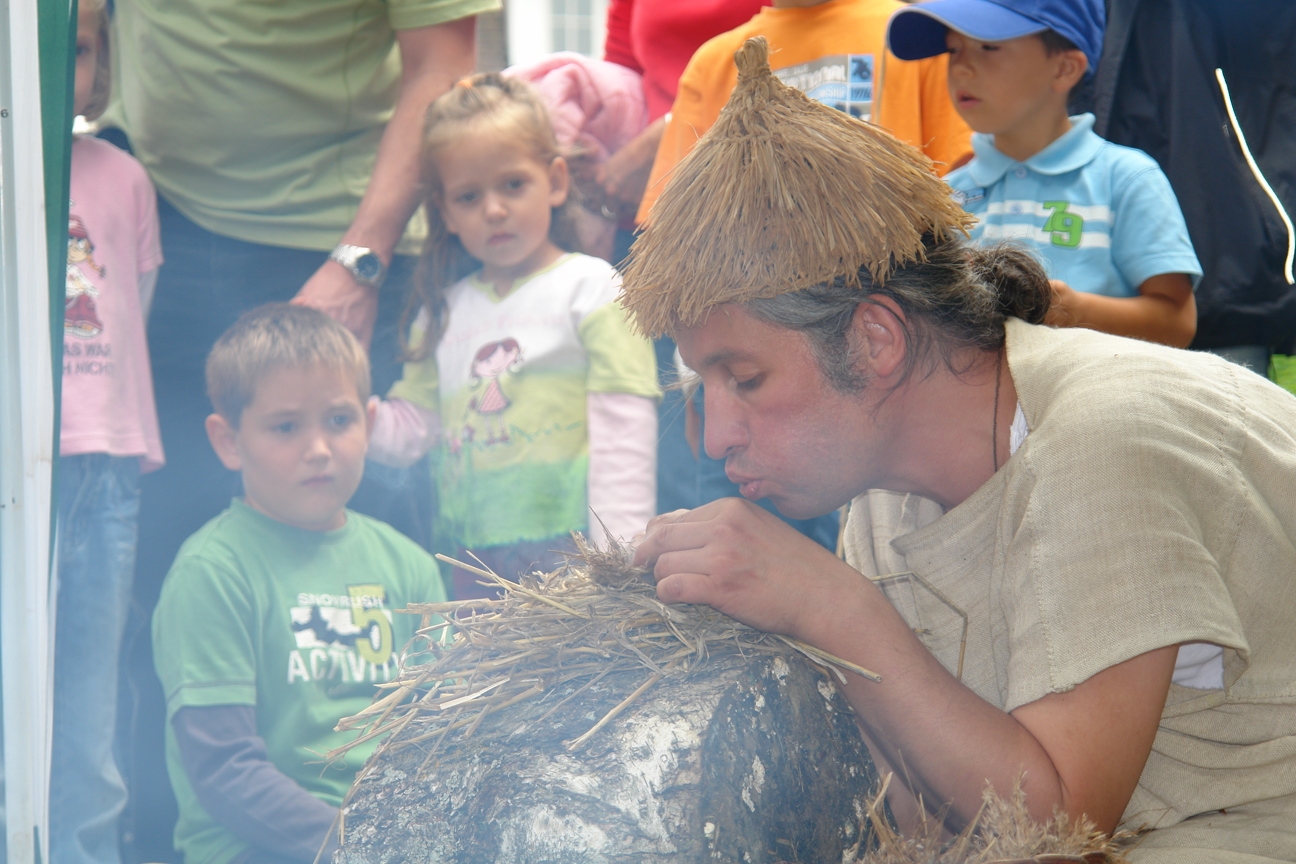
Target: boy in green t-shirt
(275, 620)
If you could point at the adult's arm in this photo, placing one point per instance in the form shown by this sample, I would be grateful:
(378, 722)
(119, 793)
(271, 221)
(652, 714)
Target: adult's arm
(237, 784)
(624, 175)
(1080, 752)
(432, 59)
(1165, 310)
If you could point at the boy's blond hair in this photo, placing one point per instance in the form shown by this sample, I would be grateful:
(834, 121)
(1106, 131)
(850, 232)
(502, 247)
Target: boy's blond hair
(275, 336)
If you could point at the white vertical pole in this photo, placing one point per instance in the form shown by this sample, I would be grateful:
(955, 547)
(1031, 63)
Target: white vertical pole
(530, 30)
(598, 28)
(26, 441)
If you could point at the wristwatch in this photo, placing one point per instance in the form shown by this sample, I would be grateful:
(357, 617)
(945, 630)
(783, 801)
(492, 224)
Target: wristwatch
(361, 262)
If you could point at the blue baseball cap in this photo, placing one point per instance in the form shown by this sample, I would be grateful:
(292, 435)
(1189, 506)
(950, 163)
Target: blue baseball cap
(918, 31)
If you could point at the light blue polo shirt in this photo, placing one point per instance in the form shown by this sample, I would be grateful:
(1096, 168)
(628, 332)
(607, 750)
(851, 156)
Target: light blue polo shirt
(1102, 217)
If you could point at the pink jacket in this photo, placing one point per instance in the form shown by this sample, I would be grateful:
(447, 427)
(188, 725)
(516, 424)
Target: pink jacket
(595, 106)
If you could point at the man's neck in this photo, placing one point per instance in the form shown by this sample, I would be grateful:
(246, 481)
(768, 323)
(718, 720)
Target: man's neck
(955, 431)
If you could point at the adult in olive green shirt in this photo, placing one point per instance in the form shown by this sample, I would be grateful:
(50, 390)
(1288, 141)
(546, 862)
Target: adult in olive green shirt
(292, 124)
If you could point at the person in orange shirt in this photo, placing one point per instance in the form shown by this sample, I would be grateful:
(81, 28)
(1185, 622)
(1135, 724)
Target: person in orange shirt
(835, 52)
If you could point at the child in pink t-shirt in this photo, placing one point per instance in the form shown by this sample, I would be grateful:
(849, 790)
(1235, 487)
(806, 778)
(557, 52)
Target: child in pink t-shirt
(109, 437)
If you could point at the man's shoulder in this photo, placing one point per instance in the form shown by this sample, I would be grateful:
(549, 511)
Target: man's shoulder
(1083, 382)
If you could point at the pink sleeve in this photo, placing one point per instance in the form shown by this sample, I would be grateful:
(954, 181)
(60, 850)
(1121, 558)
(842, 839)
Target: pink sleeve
(622, 463)
(402, 432)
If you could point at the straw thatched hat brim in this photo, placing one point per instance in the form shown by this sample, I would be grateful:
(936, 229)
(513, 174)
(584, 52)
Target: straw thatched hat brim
(782, 194)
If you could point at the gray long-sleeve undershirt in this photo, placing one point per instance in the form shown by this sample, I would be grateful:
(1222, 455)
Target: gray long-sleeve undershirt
(236, 783)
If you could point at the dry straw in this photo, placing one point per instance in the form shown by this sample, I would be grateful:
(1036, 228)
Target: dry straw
(782, 194)
(1003, 832)
(595, 617)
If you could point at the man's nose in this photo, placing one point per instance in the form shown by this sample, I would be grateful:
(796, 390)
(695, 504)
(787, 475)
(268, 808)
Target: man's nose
(722, 429)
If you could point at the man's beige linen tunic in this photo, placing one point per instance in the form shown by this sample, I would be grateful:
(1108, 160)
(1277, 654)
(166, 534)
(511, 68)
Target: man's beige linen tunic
(1153, 503)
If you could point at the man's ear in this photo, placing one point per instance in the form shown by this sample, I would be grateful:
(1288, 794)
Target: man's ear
(1071, 68)
(223, 440)
(878, 336)
(559, 181)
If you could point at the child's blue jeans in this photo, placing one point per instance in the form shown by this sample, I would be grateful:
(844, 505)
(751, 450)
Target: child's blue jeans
(98, 516)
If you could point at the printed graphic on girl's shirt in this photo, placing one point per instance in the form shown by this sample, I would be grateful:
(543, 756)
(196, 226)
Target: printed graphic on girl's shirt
(80, 316)
(342, 637)
(489, 364)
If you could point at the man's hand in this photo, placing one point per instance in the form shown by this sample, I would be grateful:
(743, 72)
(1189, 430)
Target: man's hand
(332, 290)
(745, 562)
(741, 560)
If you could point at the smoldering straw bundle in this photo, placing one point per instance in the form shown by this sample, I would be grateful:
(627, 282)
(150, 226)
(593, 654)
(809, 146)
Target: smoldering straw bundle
(782, 194)
(1003, 832)
(594, 617)
(565, 631)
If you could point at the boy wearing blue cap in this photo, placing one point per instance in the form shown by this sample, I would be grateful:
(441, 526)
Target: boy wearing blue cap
(1102, 217)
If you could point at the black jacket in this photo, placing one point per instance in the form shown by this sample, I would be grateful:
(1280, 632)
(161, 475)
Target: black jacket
(1157, 89)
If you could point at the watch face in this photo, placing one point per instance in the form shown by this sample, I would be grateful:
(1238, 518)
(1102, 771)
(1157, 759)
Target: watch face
(369, 266)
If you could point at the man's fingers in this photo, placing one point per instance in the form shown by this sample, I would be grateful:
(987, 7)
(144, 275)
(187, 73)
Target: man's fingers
(670, 536)
(664, 518)
(684, 588)
(697, 560)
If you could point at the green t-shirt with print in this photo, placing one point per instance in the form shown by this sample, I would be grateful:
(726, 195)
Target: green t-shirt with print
(297, 623)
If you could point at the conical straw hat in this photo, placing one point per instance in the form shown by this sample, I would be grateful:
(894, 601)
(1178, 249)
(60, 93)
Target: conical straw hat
(782, 194)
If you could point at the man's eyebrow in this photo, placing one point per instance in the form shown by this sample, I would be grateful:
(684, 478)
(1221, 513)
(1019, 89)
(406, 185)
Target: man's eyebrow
(725, 355)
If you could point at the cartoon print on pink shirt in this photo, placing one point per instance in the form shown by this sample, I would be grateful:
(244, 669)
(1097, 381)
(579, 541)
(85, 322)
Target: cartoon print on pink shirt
(491, 361)
(80, 316)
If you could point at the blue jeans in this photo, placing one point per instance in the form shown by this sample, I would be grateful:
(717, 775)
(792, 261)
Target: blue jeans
(98, 515)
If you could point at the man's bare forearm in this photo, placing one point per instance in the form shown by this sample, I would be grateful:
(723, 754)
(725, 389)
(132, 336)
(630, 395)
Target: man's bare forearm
(432, 60)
